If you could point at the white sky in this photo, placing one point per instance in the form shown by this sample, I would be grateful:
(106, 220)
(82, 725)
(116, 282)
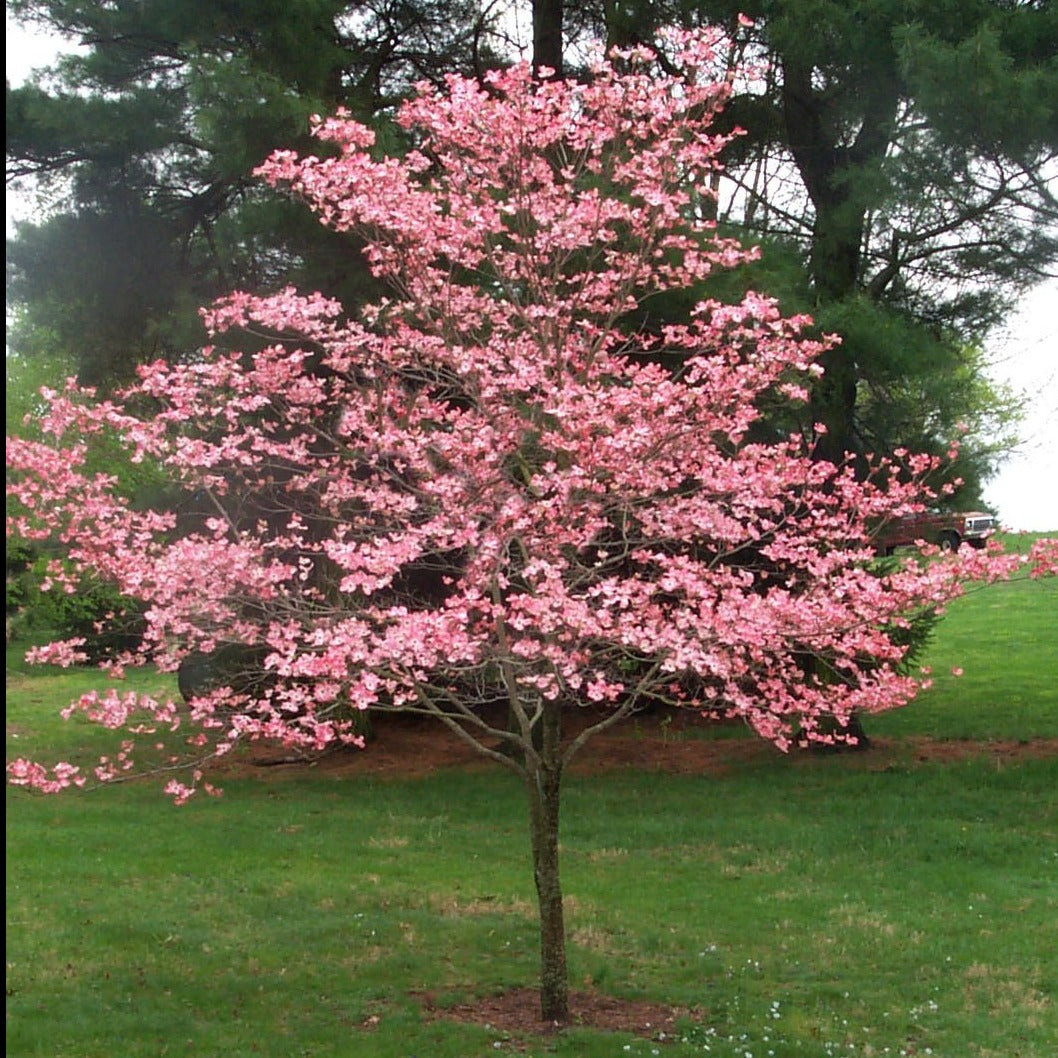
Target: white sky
(1025, 491)
(1025, 355)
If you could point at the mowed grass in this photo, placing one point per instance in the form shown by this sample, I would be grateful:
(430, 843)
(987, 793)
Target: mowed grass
(1004, 639)
(838, 905)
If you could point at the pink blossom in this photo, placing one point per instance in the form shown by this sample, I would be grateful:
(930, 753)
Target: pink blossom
(488, 490)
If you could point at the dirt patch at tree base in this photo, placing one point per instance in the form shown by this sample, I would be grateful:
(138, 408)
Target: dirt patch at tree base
(517, 1012)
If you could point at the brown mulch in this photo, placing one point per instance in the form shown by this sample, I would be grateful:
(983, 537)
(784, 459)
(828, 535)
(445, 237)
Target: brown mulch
(677, 742)
(1000, 750)
(517, 1012)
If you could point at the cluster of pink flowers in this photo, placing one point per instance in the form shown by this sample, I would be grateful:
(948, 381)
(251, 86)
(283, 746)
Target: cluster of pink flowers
(37, 777)
(489, 486)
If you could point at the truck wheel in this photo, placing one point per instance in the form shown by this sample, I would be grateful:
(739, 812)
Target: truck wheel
(949, 541)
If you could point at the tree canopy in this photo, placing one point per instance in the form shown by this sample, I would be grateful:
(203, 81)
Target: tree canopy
(597, 531)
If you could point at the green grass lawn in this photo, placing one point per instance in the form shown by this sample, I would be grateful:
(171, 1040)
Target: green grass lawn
(837, 905)
(1004, 638)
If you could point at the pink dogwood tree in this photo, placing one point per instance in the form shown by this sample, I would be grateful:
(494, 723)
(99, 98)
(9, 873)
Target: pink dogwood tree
(486, 490)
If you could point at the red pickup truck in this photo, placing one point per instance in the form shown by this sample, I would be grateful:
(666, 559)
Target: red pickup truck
(947, 530)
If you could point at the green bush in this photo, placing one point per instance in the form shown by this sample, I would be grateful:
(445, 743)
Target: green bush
(96, 612)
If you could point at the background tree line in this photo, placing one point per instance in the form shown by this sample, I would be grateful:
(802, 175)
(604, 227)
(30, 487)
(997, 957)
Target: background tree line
(895, 169)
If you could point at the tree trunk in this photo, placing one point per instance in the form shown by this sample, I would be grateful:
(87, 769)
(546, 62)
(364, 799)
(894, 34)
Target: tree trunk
(835, 268)
(543, 784)
(547, 34)
(831, 172)
(834, 405)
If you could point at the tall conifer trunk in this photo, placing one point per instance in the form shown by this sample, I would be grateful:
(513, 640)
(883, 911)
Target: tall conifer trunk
(835, 267)
(832, 173)
(547, 34)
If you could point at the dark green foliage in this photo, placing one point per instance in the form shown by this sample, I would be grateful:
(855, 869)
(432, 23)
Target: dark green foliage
(18, 558)
(926, 212)
(106, 621)
(920, 632)
(921, 389)
(898, 152)
(147, 140)
(893, 171)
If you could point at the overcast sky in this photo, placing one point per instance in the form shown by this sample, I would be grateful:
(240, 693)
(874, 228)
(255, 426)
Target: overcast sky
(1024, 354)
